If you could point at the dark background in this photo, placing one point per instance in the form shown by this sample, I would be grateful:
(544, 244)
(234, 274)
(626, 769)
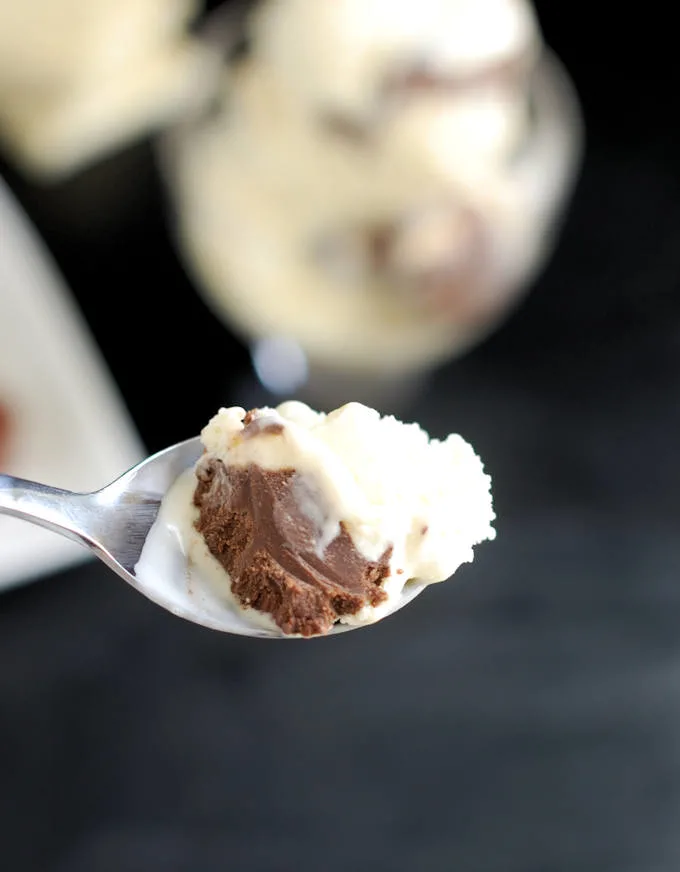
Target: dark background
(524, 718)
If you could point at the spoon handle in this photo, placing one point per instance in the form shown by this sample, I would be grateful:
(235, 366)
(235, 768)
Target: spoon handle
(59, 510)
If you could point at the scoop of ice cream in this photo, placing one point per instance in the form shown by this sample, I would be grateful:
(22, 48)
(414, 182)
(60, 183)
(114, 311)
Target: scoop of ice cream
(47, 44)
(318, 518)
(78, 77)
(351, 120)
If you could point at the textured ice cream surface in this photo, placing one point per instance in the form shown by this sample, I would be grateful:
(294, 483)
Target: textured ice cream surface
(317, 518)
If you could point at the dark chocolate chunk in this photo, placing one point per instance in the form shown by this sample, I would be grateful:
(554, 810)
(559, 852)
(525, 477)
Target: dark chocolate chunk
(253, 524)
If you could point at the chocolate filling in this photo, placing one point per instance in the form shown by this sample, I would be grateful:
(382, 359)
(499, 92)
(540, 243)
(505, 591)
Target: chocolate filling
(451, 281)
(253, 524)
(253, 426)
(421, 80)
(344, 126)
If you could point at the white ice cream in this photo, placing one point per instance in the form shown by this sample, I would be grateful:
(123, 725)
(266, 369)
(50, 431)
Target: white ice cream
(79, 77)
(275, 203)
(387, 482)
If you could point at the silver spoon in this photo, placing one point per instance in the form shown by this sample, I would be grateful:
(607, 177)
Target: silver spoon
(114, 523)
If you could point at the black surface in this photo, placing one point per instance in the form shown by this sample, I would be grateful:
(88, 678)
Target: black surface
(522, 719)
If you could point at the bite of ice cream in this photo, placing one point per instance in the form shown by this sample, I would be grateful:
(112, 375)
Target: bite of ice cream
(308, 519)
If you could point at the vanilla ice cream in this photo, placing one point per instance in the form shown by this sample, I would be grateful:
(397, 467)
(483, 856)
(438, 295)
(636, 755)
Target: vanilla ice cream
(373, 183)
(80, 77)
(311, 519)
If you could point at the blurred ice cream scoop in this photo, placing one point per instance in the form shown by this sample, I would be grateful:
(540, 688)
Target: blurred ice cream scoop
(378, 179)
(80, 77)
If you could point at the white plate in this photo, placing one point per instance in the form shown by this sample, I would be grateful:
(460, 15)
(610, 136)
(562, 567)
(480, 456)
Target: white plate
(69, 426)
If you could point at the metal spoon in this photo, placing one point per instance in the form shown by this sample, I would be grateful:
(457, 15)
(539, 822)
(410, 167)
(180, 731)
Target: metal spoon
(114, 523)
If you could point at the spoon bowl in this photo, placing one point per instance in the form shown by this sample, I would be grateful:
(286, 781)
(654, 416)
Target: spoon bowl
(115, 522)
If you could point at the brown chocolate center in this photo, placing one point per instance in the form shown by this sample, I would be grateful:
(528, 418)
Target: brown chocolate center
(254, 525)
